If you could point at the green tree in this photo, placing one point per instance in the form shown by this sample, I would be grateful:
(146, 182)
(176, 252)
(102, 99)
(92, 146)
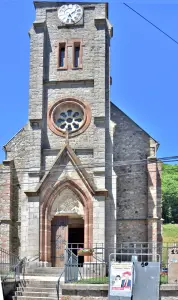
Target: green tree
(170, 193)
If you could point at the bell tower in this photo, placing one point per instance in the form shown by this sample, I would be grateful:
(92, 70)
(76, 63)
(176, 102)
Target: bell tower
(69, 76)
(69, 94)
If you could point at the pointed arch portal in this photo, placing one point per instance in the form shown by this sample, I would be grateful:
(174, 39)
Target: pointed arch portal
(65, 205)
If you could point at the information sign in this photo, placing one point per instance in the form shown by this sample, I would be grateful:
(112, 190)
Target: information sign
(121, 279)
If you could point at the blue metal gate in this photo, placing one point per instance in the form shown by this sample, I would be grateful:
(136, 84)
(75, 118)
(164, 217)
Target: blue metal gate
(71, 266)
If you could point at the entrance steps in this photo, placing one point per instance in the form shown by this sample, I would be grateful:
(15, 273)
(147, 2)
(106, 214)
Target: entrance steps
(44, 271)
(37, 288)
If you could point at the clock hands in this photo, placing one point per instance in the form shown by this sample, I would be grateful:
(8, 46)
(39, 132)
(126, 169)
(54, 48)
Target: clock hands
(74, 9)
(72, 17)
(70, 14)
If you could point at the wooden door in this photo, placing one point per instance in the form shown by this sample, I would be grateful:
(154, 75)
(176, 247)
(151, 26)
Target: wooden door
(59, 238)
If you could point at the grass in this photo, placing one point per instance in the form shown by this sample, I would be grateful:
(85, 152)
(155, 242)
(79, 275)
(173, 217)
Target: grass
(102, 280)
(163, 279)
(170, 233)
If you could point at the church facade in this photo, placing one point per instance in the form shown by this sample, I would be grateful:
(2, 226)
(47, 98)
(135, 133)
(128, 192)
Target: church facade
(80, 172)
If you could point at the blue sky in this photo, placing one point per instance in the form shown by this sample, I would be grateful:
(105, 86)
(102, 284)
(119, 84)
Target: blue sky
(144, 67)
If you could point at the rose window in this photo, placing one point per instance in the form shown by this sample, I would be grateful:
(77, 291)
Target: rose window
(71, 120)
(69, 115)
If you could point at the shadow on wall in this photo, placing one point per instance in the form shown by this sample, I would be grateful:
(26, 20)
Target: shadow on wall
(15, 213)
(110, 217)
(131, 144)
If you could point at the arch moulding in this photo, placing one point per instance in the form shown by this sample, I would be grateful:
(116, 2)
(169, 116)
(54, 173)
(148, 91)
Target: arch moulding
(45, 216)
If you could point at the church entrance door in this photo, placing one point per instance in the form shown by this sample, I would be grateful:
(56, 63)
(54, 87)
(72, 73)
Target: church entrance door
(59, 238)
(76, 236)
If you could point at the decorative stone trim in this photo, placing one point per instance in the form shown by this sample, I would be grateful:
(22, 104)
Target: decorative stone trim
(45, 211)
(7, 163)
(62, 44)
(99, 121)
(100, 21)
(39, 23)
(101, 193)
(86, 116)
(35, 124)
(77, 42)
(5, 221)
(31, 193)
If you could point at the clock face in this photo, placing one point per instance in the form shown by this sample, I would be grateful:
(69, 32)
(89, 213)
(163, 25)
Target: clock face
(70, 14)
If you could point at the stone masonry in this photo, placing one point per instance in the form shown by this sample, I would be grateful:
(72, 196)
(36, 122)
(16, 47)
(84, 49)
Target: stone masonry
(110, 166)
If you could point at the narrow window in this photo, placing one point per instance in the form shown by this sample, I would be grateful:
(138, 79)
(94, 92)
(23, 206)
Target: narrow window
(62, 56)
(77, 56)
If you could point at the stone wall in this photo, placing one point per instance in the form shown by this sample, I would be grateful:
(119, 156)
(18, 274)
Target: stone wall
(9, 208)
(131, 146)
(85, 291)
(87, 83)
(90, 84)
(100, 291)
(15, 152)
(5, 206)
(168, 292)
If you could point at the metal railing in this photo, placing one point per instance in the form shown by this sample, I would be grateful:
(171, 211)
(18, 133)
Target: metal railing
(11, 268)
(8, 261)
(95, 268)
(20, 269)
(70, 270)
(93, 263)
(87, 265)
(92, 270)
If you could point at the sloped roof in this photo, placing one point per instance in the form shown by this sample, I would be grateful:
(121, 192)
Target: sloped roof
(15, 135)
(116, 107)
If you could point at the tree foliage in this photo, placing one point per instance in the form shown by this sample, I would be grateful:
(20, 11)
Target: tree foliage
(170, 193)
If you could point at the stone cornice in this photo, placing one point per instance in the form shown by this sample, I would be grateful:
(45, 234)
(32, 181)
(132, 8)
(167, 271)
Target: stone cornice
(101, 193)
(5, 221)
(100, 21)
(32, 193)
(7, 163)
(40, 23)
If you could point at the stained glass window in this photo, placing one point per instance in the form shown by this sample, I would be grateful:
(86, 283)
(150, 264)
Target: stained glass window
(70, 120)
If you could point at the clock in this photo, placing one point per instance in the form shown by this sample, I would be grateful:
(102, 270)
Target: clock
(70, 14)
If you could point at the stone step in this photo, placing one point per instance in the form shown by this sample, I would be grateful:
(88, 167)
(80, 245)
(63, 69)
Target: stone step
(36, 289)
(36, 294)
(44, 275)
(47, 270)
(40, 283)
(32, 298)
(40, 273)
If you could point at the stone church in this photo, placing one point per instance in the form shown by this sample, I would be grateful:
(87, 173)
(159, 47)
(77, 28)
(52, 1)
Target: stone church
(80, 172)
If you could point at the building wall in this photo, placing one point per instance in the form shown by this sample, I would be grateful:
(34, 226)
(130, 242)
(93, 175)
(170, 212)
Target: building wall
(9, 208)
(135, 205)
(5, 206)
